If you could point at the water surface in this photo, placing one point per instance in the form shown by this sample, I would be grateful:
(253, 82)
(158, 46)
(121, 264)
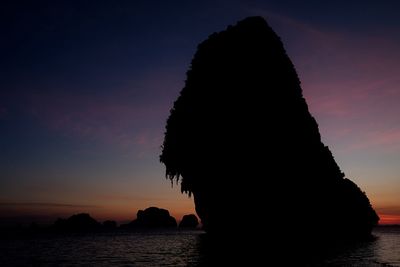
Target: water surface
(169, 248)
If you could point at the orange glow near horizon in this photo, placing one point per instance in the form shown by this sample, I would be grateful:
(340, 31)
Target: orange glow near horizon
(386, 219)
(24, 212)
(127, 212)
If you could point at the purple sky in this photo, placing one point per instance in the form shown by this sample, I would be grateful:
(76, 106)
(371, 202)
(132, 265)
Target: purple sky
(86, 87)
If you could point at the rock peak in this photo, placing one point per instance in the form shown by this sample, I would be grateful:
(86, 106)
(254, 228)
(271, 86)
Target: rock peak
(244, 142)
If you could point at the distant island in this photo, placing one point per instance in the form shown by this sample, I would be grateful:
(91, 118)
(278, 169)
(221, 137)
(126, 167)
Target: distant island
(189, 221)
(241, 140)
(151, 218)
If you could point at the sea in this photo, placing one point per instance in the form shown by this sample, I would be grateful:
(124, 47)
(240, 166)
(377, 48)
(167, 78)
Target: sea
(170, 248)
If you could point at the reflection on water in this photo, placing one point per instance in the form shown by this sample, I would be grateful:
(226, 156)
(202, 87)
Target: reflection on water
(387, 247)
(107, 249)
(383, 251)
(173, 248)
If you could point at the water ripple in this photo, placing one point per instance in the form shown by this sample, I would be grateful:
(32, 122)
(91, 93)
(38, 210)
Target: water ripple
(173, 248)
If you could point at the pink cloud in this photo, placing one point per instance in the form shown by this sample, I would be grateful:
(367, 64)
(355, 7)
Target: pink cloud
(112, 120)
(342, 75)
(330, 106)
(134, 114)
(388, 139)
(351, 83)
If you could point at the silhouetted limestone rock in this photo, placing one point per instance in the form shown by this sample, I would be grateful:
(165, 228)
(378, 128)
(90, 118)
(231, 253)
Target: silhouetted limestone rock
(189, 221)
(109, 225)
(79, 222)
(243, 141)
(152, 218)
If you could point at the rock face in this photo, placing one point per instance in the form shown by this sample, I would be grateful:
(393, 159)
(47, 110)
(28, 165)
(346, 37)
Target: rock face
(242, 140)
(153, 217)
(189, 221)
(110, 225)
(79, 222)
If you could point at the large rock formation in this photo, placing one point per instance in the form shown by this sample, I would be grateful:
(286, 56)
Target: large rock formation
(152, 217)
(81, 222)
(189, 221)
(242, 139)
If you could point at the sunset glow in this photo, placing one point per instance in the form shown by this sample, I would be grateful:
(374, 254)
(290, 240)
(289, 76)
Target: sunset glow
(389, 219)
(84, 100)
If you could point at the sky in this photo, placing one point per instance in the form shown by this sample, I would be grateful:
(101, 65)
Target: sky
(86, 88)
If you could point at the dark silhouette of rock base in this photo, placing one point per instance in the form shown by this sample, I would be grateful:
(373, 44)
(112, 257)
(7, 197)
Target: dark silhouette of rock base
(189, 221)
(242, 140)
(109, 225)
(77, 223)
(152, 217)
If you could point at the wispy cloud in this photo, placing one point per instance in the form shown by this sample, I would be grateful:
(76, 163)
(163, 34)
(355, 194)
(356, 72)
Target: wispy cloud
(132, 114)
(351, 83)
(388, 139)
(342, 74)
(118, 197)
(44, 205)
(107, 120)
(119, 120)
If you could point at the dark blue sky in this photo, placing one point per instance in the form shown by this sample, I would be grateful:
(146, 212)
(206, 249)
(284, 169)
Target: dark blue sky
(86, 87)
